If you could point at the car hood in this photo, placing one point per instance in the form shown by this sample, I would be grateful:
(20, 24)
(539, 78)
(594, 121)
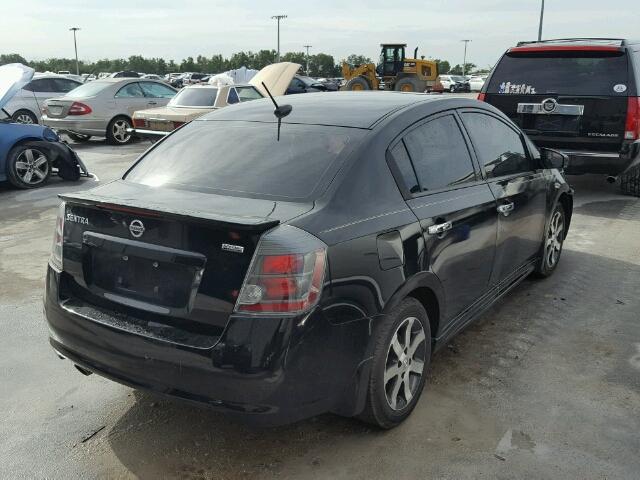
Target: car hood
(180, 114)
(276, 77)
(13, 77)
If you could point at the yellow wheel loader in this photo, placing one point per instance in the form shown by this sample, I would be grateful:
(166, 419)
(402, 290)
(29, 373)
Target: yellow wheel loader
(394, 72)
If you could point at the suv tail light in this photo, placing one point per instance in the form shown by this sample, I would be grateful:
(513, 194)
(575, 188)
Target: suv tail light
(482, 96)
(286, 274)
(58, 239)
(78, 108)
(632, 125)
(139, 122)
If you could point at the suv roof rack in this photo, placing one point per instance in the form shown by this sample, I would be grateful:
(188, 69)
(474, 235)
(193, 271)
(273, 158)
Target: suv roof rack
(617, 42)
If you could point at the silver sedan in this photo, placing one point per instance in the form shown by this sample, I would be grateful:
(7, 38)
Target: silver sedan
(104, 107)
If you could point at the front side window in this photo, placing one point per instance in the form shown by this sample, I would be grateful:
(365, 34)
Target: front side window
(132, 90)
(439, 154)
(498, 147)
(44, 85)
(156, 90)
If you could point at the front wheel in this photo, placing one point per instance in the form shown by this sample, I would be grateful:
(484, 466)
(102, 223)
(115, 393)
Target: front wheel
(552, 245)
(27, 167)
(117, 131)
(401, 356)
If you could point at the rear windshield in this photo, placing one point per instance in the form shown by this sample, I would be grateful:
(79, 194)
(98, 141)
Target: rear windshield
(195, 97)
(563, 73)
(88, 89)
(246, 158)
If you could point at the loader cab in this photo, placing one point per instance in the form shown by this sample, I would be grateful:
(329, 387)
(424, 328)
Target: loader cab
(391, 59)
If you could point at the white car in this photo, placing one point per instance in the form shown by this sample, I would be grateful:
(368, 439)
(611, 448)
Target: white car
(26, 105)
(476, 82)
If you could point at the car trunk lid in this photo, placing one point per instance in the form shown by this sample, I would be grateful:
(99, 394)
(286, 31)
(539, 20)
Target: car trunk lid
(57, 107)
(178, 258)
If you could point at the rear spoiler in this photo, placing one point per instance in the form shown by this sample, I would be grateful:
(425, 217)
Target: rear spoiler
(134, 207)
(564, 48)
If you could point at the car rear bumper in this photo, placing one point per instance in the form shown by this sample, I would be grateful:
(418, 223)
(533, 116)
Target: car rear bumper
(267, 371)
(82, 126)
(149, 134)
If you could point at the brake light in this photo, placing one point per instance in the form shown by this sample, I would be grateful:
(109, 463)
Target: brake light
(78, 108)
(58, 239)
(482, 96)
(632, 125)
(177, 124)
(286, 274)
(139, 122)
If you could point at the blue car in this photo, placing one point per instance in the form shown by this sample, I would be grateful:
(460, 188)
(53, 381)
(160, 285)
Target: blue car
(29, 154)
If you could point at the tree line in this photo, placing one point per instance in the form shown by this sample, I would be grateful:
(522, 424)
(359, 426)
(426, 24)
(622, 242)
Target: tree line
(320, 64)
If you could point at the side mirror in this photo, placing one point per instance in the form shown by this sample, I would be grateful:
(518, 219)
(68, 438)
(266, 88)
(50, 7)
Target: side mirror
(553, 158)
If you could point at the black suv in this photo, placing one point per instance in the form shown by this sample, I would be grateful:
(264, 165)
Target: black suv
(578, 95)
(284, 269)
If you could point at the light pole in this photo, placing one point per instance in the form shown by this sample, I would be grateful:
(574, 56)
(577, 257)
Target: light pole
(541, 17)
(464, 61)
(278, 18)
(75, 46)
(307, 47)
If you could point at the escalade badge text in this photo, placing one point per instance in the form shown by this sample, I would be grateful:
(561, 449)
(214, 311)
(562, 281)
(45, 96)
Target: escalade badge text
(136, 228)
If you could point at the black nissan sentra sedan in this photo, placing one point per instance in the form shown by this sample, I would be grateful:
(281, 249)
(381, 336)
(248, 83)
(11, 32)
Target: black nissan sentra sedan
(279, 271)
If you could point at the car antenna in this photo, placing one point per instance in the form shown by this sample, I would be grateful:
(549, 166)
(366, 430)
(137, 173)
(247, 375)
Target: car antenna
(281, 111)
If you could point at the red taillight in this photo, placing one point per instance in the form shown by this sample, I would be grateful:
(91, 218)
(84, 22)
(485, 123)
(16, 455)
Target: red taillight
(78, 108)
(482, 96)
(632, 125)
(139, 122)
(58, 239)
(281, 282)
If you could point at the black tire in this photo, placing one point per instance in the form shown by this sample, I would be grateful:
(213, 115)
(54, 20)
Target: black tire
(407, 84)
(26, 117)
(379, 410)
(357, 84)
(20, 163)
(452, 89)
(78, 137)
(116, 137)
(545, 266)
(630, 181)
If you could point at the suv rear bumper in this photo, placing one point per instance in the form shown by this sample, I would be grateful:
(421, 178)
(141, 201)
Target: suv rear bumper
(607, 163)
(265, 370)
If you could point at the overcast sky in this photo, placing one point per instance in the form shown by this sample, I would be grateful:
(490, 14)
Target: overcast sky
(174, 29)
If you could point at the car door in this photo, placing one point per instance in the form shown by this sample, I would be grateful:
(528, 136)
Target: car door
(157, 94)
(519, 184)
(131, 98)
(454, 205)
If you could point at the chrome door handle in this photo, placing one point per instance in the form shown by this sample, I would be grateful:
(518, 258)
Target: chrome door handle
(506, 209)
(439, 228)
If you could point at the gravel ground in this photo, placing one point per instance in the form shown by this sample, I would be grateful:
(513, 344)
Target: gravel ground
(545, 385)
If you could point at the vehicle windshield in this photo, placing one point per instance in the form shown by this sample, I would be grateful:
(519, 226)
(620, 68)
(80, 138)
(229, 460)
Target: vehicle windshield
(88, 89)
(563, 73)
(195, 97)
(246, 158)
(457, 78)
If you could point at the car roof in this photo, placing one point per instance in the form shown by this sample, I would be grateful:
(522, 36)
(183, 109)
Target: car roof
(603, 44)
(344, 109)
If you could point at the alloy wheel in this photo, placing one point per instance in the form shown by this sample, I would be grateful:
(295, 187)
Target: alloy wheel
(32, 166)
(405, 363)
(119, 131)
(24, 118)
(553, 242)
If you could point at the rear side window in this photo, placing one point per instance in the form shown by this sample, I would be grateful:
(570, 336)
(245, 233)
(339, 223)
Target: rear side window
(498, 147)
(246, 158)
(439, 154)
(156, 90)
(563, 73)
(44, 85)
(405, 168)
(64, 85)
(248, 93)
